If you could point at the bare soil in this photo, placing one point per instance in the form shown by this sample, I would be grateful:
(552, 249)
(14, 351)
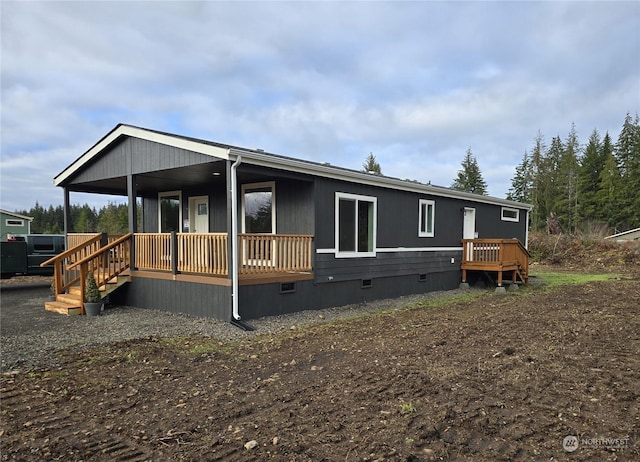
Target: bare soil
(486, 377)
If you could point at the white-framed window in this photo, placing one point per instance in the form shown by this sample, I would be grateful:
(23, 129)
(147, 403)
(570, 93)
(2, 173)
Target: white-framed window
(509, 214)
(356, 225)
(259, 208)
(426, 218)
(170, 211)
(14, 222)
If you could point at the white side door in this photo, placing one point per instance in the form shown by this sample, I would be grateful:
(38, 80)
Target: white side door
(469, 229)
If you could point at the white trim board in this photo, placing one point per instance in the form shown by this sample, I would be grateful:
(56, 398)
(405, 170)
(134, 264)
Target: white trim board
(401, 249)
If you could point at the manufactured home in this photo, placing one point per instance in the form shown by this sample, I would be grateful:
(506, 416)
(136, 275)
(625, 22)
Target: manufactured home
(236, 233)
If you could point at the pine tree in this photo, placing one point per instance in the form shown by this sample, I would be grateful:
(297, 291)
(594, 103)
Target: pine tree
(521, 183)
(591, 166)
(609, 191)
(567, 177)
(539, 178)
(627, 153)
(371, 165)
(469, 178)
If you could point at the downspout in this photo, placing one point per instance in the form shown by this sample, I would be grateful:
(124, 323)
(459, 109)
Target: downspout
(234, 238)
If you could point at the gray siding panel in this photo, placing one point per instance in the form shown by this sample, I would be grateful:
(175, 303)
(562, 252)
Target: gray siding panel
(266, 300)
(294, 207)
(178, 297)
(398, 214)
(135, 156)
(328, 268)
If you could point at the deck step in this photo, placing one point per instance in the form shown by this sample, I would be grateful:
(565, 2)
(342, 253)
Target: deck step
(71, 299)
(63, 307)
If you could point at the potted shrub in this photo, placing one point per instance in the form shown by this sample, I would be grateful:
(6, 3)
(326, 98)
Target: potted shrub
(93, 300)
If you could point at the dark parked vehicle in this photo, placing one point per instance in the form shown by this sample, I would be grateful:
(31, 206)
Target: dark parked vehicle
(23, 254)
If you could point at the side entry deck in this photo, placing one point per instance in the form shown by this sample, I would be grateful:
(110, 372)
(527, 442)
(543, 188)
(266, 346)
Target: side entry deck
(499, 255)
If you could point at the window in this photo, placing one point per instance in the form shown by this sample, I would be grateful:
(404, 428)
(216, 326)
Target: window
(43, 244)
(366, 284)
(355, 225)
(510, 214)
(170, 211)
(12, 222)
(426, 218)
(258, 208)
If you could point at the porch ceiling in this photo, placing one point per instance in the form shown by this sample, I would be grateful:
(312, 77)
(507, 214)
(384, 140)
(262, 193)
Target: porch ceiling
(178, 179)
(162, 180)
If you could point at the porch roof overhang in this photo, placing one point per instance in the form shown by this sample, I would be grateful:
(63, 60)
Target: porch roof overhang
(260, 158)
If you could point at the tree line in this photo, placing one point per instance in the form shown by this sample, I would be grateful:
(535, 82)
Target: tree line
(598, 183)
(573, 186)
(111, 218)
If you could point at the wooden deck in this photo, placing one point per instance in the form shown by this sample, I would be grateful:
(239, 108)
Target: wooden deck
(499, 255)
(196, 258)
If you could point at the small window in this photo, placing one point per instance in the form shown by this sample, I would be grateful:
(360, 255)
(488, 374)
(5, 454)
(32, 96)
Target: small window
(287, 287)
(426, 218)
(422, 277)
(12, 222)
(43, 244)
(367, 283)
(510, 214)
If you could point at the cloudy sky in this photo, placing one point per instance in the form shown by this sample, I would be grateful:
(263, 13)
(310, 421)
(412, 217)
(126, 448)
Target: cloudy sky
(415, 83)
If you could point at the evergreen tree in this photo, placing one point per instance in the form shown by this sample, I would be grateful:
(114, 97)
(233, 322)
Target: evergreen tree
(591, 166)
(539, 178)
(469, 178)
(627, 153)
(371, 165)
(567, 177)
(609, 191)
(521, 184)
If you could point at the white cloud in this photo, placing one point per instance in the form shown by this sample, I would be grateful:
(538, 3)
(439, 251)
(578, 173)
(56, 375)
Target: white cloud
(416, 83)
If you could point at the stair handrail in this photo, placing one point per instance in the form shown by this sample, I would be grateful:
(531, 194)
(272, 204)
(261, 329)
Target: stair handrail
(57, 260)
(102, 252)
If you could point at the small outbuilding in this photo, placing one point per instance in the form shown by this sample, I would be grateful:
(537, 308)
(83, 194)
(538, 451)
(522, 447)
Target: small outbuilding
(13, 223)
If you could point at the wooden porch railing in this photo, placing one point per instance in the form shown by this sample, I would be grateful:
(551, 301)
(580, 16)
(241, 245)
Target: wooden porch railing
(62, 277)
(153, 251)
(106, 263)
(75, 239)
(495, 255)
(206, 253)
(268, 253)
(203, 253)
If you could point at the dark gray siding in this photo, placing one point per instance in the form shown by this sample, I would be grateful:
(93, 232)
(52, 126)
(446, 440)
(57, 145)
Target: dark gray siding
(136, 156)
(398, 213)
(266, 300)
(177, 297)
(328, 268)
(294, 207)
(489, 223)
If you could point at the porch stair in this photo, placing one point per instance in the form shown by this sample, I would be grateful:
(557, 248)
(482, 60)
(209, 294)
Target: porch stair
(108, 259)
(70, 303)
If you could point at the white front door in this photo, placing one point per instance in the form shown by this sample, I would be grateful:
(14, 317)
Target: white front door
(199, 215)
(469, 230)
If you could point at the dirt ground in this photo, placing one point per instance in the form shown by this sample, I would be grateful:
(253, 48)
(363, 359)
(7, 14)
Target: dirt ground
(485, 377)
